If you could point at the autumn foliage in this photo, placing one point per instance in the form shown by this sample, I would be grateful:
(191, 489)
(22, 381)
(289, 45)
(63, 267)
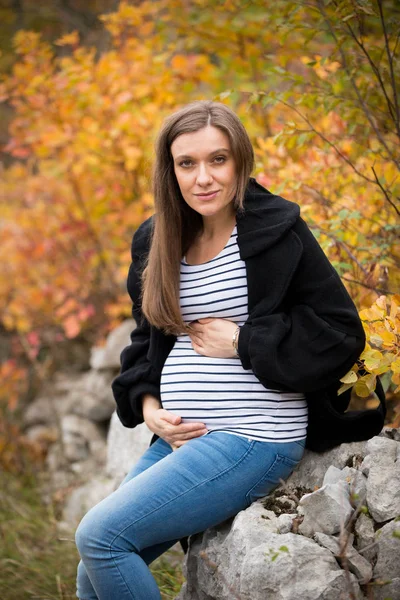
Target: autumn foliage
(316, 85)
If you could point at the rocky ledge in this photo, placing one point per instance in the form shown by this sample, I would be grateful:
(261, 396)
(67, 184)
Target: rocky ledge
(332, 531)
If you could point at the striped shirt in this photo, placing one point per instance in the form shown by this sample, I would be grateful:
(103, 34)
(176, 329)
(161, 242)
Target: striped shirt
(219, 392)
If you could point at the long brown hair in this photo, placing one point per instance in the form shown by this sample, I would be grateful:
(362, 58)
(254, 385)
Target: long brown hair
(175, 223)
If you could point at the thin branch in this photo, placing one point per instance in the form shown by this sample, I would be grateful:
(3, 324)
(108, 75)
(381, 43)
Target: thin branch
(345, 248)
(390, 105)
(390, 59)
(336, 204)
(331, 144)
(355, 87)
(378, 291)
(385, 191)
(395, 45)
(339, 153)
(91, 229)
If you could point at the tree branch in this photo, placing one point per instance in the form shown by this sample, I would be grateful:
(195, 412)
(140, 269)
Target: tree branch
(355, 87)
(390, 60)
(385, 192)
(390, 105)
(325, 139)
(345, 248)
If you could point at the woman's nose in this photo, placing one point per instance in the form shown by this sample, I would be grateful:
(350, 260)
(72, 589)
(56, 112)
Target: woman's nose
(204, 176)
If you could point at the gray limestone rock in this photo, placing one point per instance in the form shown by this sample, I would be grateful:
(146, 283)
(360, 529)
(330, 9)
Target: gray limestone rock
(382, 446)
(388, 548)
(90, 396)
(53, 402)
(42, 411)
(326, 510)
(365, 537)
(85, 497)
(355, 479)
(383, 484)
(81, 438)
(125, 446)
(250, 562)
(366, 465)
(346, 554)
(312, 468)
(272, 522)
(391, 433)
(108, 356)
(387, 590)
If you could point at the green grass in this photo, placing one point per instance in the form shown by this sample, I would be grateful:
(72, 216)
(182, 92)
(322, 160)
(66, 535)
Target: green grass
(39, 563)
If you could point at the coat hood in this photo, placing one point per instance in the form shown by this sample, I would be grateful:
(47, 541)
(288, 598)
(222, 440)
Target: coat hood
(265, 220)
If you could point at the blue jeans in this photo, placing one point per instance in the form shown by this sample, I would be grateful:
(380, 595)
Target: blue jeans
(169, 495)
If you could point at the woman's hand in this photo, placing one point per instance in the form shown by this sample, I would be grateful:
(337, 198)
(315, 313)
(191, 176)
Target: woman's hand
(213, 337)
(169, 426)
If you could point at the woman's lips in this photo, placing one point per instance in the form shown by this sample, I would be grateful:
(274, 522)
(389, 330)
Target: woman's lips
(207, 196)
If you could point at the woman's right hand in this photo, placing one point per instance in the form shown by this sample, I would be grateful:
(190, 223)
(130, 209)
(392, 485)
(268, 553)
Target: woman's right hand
(168, 426)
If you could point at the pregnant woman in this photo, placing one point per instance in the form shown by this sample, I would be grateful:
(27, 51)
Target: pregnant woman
(239, 315)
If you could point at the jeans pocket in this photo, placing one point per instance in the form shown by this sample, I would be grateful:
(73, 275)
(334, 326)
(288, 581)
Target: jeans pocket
(280, 469)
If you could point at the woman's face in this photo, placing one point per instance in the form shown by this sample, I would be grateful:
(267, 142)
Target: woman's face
(205, 170)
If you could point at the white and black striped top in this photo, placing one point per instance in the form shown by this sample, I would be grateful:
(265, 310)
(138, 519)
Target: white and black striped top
(219, 391)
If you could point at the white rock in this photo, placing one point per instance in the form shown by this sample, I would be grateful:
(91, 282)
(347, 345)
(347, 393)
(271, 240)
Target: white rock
(366, 465)
(274, 524)
(313, 466)
(347, 554)
(391, 433)
(388, 548)
(90, 396)
(365, 537)
(383, 485)
(108, 356)
(326, 510)
(250, 560)
(42, 411)
(125, 446)
(81, 437)
(382, 446)
(285, 523)
(53, 402)
(251, 563)
(354, 478)
(85, 497)
(388, 590)
(332, 475)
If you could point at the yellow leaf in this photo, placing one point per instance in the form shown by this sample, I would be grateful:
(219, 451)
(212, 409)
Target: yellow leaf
(365, 385)
(381, 303)
(69, 39)
(376, 340)
(372, 359)
(344, 388)
(394, 306)
(374, 313)
(350, 377)
(388, 339)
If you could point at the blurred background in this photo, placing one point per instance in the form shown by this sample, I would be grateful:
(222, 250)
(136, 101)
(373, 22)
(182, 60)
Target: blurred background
(84, 87)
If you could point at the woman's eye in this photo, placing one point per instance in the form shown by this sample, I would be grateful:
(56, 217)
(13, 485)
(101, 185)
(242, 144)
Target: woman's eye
(219, 160)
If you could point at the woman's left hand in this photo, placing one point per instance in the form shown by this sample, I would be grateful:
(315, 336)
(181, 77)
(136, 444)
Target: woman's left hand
(213, 337)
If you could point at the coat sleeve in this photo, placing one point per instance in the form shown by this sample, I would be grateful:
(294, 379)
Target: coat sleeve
(316, 338)
(137, 377)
